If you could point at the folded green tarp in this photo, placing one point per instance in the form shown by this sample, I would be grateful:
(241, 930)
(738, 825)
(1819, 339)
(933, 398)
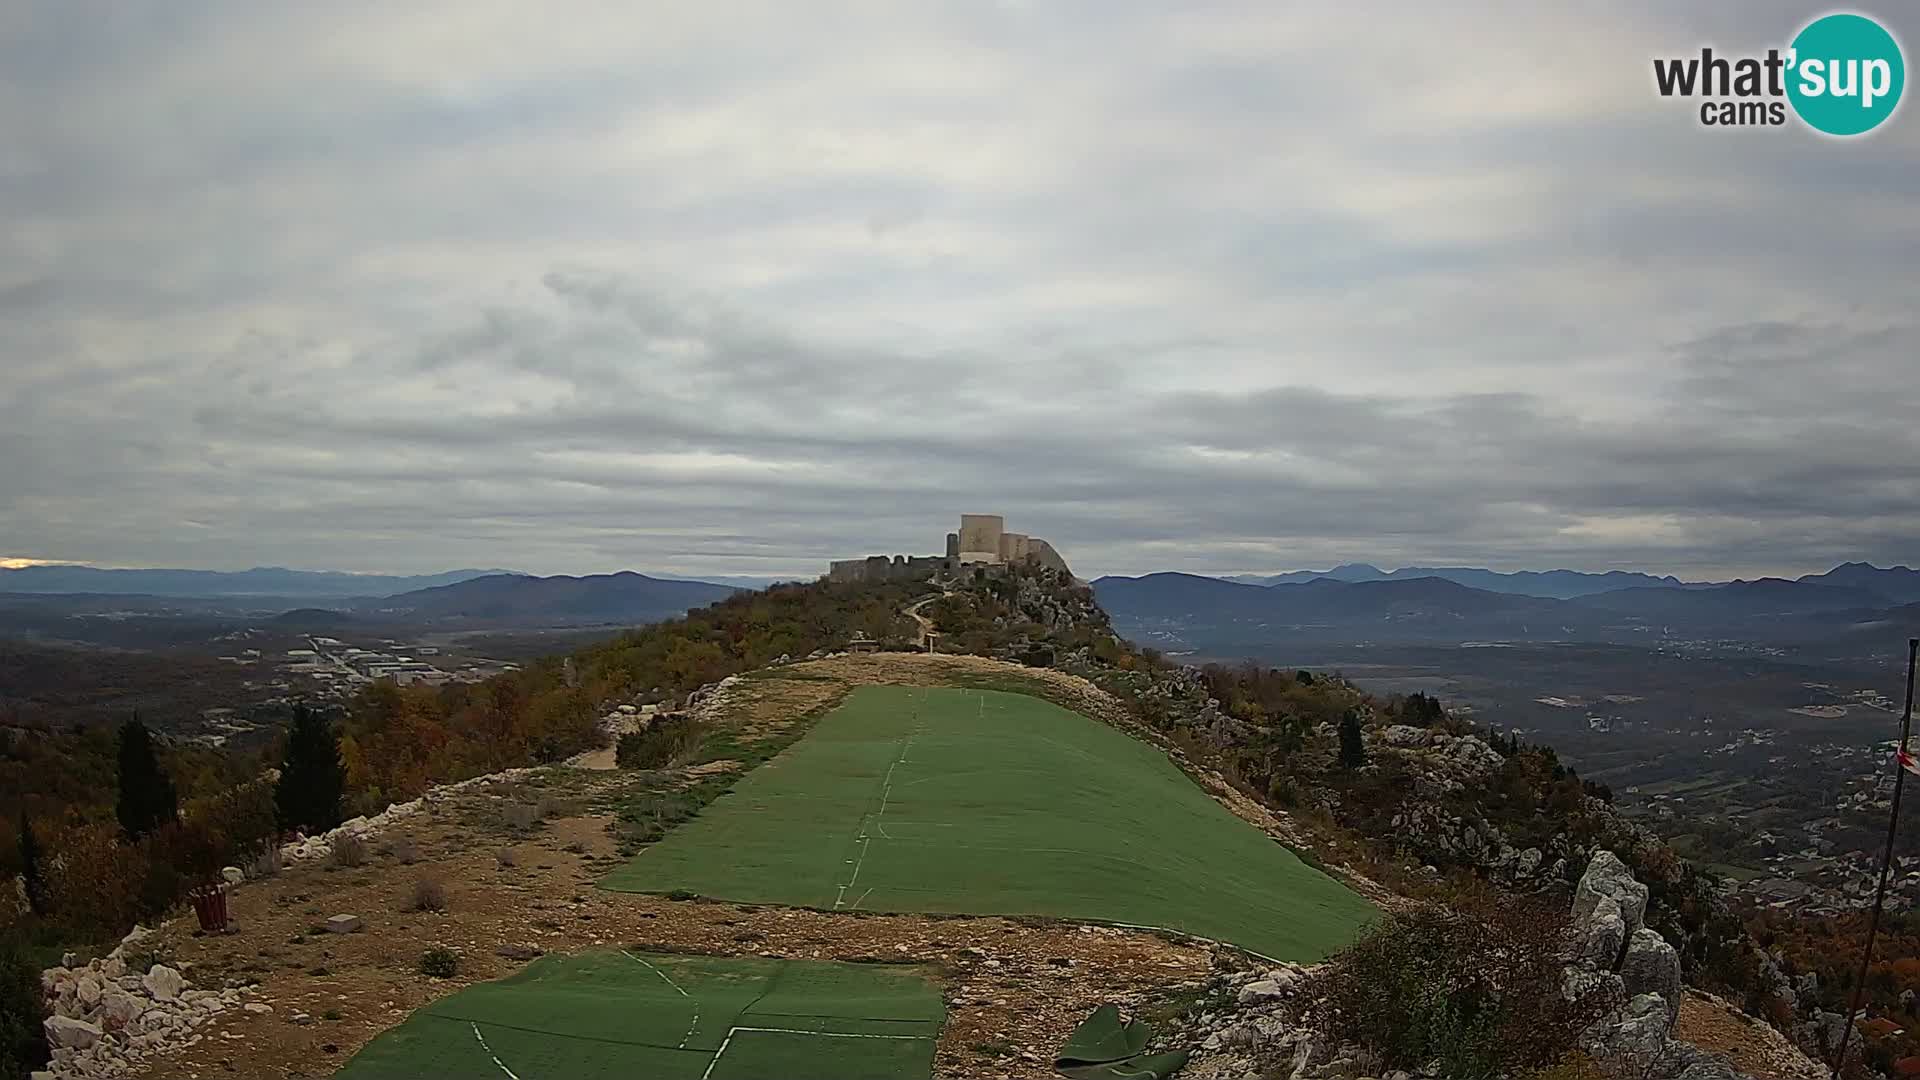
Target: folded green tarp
(1103, 1048)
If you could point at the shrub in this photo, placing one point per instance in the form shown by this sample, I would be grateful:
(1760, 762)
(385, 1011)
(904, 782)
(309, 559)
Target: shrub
(1573, 1065)
(405, 851)
(439, 962)
(95, 883)
(428, 895)
(1478, 991)
(243, 817)
(349, 851)
(520, 816)
(23, 1012)
(665, 743)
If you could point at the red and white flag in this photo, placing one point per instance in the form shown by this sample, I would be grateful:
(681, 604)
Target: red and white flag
(1907, 760)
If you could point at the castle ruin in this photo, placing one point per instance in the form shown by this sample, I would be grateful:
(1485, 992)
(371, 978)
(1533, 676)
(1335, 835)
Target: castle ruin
(983, 541)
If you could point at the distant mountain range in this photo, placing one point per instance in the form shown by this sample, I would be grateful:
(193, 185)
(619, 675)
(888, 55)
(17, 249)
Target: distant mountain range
(268, 581)
(622, 597)
(260, 581)
(1899, 584)
(1360, 603)
(1554, 584)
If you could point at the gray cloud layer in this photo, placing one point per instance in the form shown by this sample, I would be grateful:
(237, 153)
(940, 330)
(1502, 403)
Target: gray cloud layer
(736, 288)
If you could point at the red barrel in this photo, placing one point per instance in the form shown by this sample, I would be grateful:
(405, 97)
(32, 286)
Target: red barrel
(210, 904)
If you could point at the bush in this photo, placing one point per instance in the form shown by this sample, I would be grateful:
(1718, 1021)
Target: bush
(520, 816)
(23, 1012)
(349, 851)
(1480, 992)
(439, 962)
(1574, 1065)
(405, 851)
(428, 895)
(96, 884)
(665, 743)
(243, 817)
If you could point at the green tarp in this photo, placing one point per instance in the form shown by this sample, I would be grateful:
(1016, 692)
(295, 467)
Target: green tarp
(1105, 1048)
(964, 802)
(632, 1015)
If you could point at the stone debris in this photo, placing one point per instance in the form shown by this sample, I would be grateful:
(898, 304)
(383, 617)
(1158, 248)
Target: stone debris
(343, 924)
(104, 1019)
(368, 828)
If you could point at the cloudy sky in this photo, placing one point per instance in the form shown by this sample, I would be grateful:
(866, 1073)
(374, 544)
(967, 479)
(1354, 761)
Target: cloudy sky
(735, 288)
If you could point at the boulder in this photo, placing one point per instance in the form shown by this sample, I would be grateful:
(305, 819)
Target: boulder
(1608, 877)
(1478, 757)
(88, 990)
(1579, 982)
(1261, 991)
(1651, 966)
(65, 1031)
(343, 924)
(118, 1009)
(232, 875)
(1603, 935)
(1528, 863)
(1632, 1037)
(163, 983)
(1406, 735)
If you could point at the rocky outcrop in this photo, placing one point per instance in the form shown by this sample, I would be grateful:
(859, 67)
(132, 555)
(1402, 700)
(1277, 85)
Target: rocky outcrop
(105, 1018)
(1608, 878)
(1651, 966)
(1614, 952)
(1601, 936)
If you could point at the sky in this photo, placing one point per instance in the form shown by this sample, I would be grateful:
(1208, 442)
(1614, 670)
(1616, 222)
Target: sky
(738, 288)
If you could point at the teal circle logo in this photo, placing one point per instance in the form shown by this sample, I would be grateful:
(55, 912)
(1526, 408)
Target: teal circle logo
(1846, 74)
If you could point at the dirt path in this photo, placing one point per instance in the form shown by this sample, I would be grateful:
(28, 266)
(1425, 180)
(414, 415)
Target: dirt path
(912, 611)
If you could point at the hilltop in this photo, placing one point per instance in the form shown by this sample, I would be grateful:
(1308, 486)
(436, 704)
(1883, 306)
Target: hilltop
(1403, 802)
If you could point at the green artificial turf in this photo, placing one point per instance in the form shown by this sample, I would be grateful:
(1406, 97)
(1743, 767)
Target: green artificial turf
(980, 802)
(619, 1015)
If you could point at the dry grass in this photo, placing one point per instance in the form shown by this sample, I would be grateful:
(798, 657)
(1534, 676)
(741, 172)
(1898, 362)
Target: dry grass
(348, 851)
(428, 895)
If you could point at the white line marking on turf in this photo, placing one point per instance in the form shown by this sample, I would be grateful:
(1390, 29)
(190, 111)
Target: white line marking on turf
(490, 1053)
(829, 1034)
(731, 1032)
(688, 1037)
(886, 794)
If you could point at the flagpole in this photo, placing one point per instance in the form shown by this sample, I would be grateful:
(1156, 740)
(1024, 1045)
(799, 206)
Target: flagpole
(1886, 866)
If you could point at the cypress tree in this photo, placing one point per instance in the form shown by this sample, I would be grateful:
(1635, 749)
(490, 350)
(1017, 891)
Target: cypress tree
(30, 865)
(23, 1013)
(1353, 750)
(147, 799)
(312, 778)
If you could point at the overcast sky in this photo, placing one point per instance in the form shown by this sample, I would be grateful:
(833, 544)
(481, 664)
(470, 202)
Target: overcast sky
(737, 288)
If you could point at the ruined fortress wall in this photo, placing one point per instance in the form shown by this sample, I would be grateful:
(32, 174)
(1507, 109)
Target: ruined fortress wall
(980, 537)
(1041, 552)
(1014, 546)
